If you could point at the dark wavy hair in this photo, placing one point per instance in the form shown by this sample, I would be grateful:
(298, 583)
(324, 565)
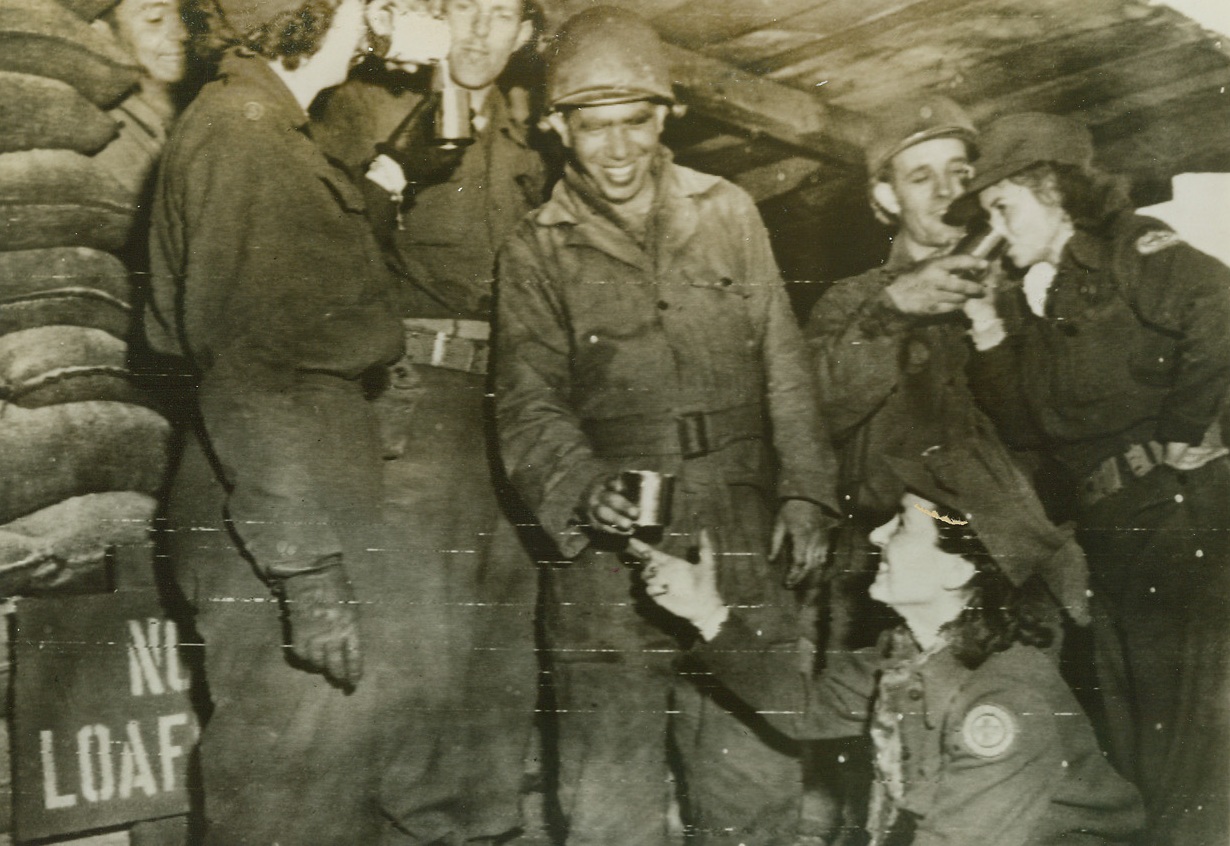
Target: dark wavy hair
(997, 613)
(292, 36)
(1091, 197)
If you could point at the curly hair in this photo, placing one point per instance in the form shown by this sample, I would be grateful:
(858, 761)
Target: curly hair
(1091, 197)
(997, 613)
(294, 35)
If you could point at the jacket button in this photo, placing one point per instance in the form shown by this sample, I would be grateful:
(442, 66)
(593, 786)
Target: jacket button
(663, 305)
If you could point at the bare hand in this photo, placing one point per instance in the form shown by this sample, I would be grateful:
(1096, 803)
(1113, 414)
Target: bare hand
(933, 287)
(607, 509)
(1192, 457)
(324, 623)
(685, 589)
(802, 523)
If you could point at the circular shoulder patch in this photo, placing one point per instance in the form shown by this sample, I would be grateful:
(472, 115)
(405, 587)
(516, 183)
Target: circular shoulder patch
(989, 731)
(253, 110)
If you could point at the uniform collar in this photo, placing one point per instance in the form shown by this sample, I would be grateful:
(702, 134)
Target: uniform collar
(264, 96)
(675, 213)
(941, 674)
(1086, 250)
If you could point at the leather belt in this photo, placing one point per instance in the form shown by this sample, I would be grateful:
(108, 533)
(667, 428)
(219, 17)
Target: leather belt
(1113, 474)
(690, 435)
(449, 344)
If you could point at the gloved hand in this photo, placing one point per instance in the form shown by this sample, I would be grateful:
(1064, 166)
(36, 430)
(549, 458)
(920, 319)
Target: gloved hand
(324, 622)
(606, 509)
(685, 589)
(413, 147)
(804, 524)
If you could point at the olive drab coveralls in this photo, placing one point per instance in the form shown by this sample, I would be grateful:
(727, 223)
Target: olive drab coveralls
(1133, 352)
(679, 355)
(442, 485)
(266, 279)
(1001, 754)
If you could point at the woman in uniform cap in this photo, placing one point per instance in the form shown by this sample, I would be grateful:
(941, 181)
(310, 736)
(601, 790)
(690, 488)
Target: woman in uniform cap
(1113, 359)
(977, 738)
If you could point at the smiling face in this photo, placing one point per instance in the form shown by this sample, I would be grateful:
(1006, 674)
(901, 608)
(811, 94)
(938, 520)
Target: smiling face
(1036, 227)
(913, 570)
(922, 181)
(615, 146)
(484, 35)
(154, 33)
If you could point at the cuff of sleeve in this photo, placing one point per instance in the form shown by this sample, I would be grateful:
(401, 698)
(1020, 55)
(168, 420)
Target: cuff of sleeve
(880, 316)
(711, 625)
(558, 512)
(289, 569)
(1170, 430)
(987, 335)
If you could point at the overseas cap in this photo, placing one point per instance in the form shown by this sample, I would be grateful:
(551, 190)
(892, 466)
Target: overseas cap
(1015, 143)
(606, 55)
(979, 481)
(907, 124)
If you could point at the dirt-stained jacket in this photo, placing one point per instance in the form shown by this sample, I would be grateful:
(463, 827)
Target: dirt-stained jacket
(889, 382)
(611, 355)
(1134, 347)
(999, 754)
(267, 279)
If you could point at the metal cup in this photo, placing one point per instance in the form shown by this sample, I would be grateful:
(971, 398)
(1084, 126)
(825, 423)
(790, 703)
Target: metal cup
(651, 492)
(453, 126)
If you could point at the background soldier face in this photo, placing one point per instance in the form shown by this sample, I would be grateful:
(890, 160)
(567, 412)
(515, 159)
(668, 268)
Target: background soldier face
(485, 34)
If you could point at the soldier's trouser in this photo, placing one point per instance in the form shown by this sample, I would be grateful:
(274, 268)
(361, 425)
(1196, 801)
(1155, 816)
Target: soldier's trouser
(285, 757)
(459, 774)
(621, 702)
(1159, 556)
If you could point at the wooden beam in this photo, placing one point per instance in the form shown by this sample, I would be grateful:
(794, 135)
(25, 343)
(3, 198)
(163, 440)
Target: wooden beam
(770, 109)
(773, 180)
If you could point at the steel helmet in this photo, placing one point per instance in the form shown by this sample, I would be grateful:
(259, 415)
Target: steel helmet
(606, 55)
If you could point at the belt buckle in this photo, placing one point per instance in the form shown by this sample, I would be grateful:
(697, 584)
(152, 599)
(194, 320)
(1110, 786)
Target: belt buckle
(693, 434)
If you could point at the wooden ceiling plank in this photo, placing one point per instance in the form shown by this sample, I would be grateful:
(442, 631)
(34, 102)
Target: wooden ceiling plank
(1143, 79)
(765, 108)
(699, 23)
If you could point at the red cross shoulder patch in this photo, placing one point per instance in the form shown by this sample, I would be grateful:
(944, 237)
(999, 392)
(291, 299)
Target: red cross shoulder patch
(989, 731)
(1156, 241)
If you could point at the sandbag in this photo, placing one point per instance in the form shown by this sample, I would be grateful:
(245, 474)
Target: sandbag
(54, 364)
(36, 271)
(37, 112)
(88, 10)
(69, 307)
(50, 547)
(59, 451)
(60, 198)
(43, 38)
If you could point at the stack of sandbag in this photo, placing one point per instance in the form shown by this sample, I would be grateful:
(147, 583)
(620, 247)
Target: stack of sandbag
(81, 454)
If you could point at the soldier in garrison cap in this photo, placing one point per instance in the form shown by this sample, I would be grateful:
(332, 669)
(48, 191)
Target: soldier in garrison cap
(978, 740)
(1116, 363)
(891, 349)
(269, 285)
(643, 325)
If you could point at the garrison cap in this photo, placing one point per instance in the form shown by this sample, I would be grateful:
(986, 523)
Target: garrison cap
(1017, 142)
(978, 480)
(905, 124)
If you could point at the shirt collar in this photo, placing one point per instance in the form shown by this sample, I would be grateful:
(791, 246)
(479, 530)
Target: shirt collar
(941, 674)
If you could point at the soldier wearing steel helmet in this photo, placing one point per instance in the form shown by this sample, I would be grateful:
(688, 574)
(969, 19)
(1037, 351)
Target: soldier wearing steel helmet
(642, 324)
